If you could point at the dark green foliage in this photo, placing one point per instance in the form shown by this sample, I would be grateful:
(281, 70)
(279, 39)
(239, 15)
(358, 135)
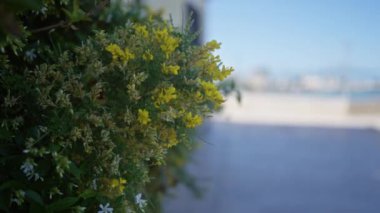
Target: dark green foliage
(82, 125)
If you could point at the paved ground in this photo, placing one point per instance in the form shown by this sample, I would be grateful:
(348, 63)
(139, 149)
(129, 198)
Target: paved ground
(270, 169)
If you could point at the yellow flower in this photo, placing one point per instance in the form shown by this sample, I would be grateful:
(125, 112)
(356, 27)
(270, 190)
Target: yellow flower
(211, 67)
(212, 92)
(192, 121)
(119, 54)
(143, 116)
(115, 50)
(165, 96)
(141, 30)
(212, 45)
(169, 136)
(167, 43)
(170, 69)
(128, 55)
(224, 73)
(161, 35)
(118, 184)
(147, 56)
(198, 96)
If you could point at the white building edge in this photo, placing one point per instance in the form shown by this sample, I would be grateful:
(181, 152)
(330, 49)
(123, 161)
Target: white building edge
(179, 12)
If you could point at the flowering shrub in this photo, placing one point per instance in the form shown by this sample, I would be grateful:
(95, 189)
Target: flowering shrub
(81, 131)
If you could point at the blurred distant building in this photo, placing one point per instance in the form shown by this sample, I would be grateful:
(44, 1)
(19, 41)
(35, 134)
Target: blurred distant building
(317, 83)
(259, 80)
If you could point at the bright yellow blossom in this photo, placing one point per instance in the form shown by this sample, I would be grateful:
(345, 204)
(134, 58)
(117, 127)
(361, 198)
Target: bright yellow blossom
(198, 96)
(119, 54)
(167, 43)
(143, 116)
(218, 74)
(192, 121)
(118, 184)
(170, 69)
(165, 96)
(212, 92)
(212, 45)
(128, 55)
(141, 30)
(161, 35)
(115, 50)
(170, 137)
(211, 67)
(147, 56)
(224, 73)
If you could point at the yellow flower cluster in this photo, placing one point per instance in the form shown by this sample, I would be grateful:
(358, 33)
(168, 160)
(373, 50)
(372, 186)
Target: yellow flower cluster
(170, 69)
(147, 56)
(143, 116)
(198, 96)
(192, 121)
(169, 135)
(212, 92)
(212, 69)
(224, 73)
(118, 184)
(218, 74)
(119, 54)
(210, 64)
(212, 45)
(141, 30)
(165, 96)
(167, 43)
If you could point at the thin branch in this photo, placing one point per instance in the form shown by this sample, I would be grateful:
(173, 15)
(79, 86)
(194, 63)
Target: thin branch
(59, 24)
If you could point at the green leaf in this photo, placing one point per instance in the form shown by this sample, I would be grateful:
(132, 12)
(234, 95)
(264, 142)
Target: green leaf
(76, 14)
(34, 197)
(9, 184)
(62, 204)
(88, 193)
(75, 170)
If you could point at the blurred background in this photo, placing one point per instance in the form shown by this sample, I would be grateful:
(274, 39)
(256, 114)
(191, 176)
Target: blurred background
(305, 135)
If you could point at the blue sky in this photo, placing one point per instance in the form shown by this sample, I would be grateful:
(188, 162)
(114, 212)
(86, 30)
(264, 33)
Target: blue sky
(297, 36)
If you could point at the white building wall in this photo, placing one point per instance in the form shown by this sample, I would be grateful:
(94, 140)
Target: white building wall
(178, 10)
(174, 8)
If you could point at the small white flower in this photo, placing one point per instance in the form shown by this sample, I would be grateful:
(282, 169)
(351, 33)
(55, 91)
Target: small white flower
(30, 55)
(28, 169)
(43, 10)
(139, 201)
(105, 209)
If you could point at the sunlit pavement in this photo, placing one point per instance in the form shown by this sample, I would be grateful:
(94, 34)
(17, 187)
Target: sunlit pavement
(253, 168)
